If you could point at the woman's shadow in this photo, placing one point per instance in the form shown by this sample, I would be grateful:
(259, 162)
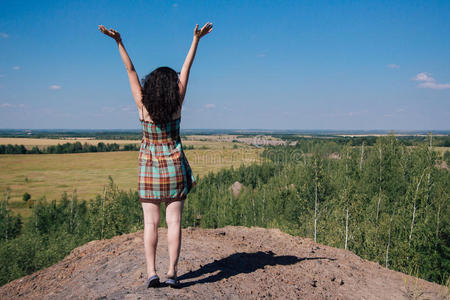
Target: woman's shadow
(240, 262)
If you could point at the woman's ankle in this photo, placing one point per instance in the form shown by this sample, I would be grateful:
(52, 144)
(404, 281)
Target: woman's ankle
(171, 273)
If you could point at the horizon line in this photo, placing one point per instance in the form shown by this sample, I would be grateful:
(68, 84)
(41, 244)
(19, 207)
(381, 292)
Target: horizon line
(236, 129)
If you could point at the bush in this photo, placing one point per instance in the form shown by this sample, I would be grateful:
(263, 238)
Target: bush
(26, 197)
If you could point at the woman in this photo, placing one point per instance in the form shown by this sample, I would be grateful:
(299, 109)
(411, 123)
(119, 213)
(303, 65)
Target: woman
(164, 172)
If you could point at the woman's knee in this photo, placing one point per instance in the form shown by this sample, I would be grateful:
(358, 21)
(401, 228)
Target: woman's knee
(173, 213)
(151, 214)
(173, 222)
(173, 218)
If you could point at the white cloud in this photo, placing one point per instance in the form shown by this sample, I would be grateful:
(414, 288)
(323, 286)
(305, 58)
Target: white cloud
(427, 81)
(128, 108)
(6, 104)
(355, 113)
(261, 55)
(4, 35)
(54, 87)
(423, 77)
(395, 113)
(345, 114)
(434, 85)
(16, 68)
(393, 66)
(107, 109)
(175, 5)
(210, 105)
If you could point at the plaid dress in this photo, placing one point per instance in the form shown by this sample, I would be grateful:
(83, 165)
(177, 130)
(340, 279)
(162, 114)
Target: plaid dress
(164, 172)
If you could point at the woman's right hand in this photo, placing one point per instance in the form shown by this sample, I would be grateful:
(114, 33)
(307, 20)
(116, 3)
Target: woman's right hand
(111, 33)
(203, 31)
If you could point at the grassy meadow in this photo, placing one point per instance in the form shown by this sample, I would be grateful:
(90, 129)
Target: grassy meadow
(50, 175)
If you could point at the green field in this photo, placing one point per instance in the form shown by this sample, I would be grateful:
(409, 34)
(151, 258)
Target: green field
(50, 175)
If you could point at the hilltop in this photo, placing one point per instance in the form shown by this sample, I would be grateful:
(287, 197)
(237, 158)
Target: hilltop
(233, 262)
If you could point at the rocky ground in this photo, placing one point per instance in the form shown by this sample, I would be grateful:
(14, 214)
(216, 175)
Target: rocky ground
(224, 263)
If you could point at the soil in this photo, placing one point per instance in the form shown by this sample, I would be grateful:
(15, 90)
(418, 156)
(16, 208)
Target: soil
(223, 263)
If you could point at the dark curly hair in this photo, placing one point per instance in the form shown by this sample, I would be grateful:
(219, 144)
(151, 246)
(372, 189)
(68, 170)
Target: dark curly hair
(160, 94)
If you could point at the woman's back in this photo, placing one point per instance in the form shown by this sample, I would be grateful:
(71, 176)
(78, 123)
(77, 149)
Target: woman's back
(164, 171)
(165, 135)
(145, 116)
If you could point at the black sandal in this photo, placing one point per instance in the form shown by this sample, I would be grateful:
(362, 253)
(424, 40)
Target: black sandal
(153, 281)
(173, 282)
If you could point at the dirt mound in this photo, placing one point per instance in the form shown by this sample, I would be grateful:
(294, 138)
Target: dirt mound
(236, 188)
(230, 262)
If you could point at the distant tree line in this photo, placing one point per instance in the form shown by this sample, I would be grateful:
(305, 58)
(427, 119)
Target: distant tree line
(58, 134)
(370, 140)
(387, 203)
(68, 148)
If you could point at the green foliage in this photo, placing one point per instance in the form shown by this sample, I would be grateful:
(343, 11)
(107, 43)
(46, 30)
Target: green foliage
(55, 228)
(388, 201)
(447, 157)
(385, 202)
(10, 224)
(76, 147)
(26, 197)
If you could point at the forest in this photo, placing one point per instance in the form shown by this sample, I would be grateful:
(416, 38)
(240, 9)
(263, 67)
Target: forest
(386, 202)
(76, 147)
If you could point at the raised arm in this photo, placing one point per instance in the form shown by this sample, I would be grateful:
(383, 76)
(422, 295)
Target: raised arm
(185, 70)
(135, 85)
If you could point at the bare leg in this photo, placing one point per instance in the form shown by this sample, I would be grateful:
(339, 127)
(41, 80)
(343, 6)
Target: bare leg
(151, 222)
(174, 211)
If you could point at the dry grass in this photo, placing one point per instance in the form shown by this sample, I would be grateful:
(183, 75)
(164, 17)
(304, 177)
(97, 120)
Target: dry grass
(441, 150)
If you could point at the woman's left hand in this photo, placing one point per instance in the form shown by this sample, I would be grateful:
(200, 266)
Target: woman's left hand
(111, 33)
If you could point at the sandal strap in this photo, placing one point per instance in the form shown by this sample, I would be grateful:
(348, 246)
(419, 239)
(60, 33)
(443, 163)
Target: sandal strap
(172, 280)
(153, 277)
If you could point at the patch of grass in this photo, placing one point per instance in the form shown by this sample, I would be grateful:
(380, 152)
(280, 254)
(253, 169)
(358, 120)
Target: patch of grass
(62, 186)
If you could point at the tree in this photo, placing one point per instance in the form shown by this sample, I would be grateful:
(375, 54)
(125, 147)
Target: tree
(10, 224)
(26, 197)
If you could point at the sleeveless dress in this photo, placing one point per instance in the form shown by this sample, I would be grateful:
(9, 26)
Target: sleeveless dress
(164, 171)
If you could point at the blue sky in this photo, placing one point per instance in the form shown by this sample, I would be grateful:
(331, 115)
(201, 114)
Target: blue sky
(266, 64)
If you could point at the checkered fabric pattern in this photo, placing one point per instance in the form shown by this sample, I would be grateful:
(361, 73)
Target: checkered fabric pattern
(164, 171)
